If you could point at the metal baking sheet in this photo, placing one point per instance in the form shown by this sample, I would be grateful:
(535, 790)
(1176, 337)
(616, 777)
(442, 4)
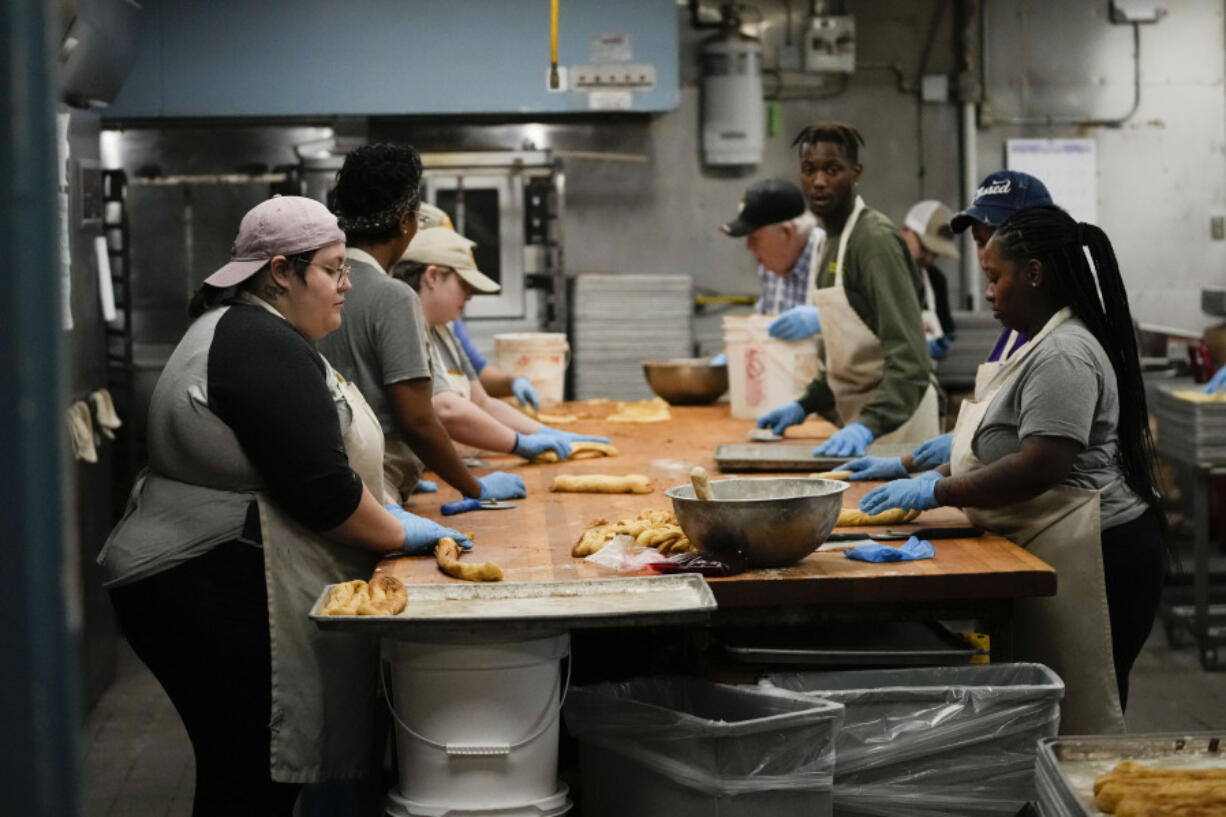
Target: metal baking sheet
(537, 606)
(1071, 765)
(736, 457)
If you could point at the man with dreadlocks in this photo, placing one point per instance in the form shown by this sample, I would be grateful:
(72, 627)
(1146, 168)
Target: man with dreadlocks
(864, 298)
(1055, 454)
(382, 345)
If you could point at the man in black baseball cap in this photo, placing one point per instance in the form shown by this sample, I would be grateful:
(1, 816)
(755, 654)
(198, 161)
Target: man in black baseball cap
(781, 234)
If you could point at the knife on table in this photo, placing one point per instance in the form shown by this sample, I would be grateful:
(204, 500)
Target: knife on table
(963, 532)
(462, 505)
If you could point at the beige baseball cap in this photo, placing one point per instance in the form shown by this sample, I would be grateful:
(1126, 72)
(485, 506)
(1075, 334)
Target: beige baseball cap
(444, 247)
(930, 221)
(429, 216)
(283, 225)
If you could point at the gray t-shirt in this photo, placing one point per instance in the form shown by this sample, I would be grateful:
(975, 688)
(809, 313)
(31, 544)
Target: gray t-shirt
(382, 337)
(1065, 388)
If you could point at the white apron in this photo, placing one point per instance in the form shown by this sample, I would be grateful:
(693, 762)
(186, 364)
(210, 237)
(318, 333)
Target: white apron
(1070, 632)
(456, 378)
(853, 358)
(326, 717)
(928, 309)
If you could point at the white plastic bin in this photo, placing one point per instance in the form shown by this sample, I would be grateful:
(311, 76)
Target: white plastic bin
(935, 741)
(477, 726)
(683, 747)
(764, 373)
(542, 357)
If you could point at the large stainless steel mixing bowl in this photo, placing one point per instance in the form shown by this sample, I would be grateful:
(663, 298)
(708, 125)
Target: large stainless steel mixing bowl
(686, 381)
(765, 522)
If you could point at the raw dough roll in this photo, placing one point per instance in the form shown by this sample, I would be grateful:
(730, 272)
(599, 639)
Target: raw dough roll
(601, 484)
(580, 450)
(849, 517)
(384, 596)
(831, 475)
(447, 554)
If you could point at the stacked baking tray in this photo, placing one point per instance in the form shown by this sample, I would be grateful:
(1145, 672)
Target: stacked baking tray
(1066, 768)
(621, 320)
(1189, 431)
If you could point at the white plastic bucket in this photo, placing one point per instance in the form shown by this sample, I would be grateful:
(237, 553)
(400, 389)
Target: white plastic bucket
(477, 725)
(764, 373)
(542, 357)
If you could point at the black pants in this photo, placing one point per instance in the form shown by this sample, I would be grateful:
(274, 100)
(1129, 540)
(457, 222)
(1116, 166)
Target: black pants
(202, 628)
(1134, 565)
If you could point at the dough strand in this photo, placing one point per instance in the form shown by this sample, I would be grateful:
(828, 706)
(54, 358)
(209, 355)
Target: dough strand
(601, 484)
(447, 554)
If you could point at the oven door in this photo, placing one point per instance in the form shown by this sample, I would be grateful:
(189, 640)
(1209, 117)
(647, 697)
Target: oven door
(487, 208)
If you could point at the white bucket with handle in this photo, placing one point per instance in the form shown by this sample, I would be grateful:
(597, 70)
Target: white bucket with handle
(764, 373)
(542, 357)
(477, 726)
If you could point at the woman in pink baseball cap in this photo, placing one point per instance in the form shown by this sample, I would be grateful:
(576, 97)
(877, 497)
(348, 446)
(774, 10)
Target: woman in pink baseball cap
(255, 499)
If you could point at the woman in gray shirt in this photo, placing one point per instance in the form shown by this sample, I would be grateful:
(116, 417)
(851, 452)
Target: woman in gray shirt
(1055, 450)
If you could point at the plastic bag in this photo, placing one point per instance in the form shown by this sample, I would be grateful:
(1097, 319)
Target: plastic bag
(622, 555)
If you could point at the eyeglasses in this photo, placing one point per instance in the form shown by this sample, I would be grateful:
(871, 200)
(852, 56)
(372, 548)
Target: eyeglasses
(341, 273)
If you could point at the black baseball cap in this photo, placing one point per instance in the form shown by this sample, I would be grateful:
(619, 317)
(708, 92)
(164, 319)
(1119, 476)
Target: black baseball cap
(769, 201)
(1001, 195)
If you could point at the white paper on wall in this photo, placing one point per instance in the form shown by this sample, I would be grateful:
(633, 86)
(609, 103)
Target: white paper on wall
(1068, 167)
(65, 265)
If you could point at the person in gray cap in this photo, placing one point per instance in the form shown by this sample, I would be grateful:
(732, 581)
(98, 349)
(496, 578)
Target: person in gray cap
(264, 485)
(782, 235)
(928, 235)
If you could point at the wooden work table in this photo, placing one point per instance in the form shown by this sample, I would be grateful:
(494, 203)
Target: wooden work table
(532, 542)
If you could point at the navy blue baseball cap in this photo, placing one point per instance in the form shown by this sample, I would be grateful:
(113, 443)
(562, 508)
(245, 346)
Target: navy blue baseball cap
(1001, 195)
(770, 201)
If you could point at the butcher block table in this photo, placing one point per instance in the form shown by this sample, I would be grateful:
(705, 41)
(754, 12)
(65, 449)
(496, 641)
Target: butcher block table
(969, 578)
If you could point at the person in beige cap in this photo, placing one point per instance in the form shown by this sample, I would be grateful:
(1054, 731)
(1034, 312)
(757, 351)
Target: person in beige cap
(928, 235)
(439, 265)
(263, 486)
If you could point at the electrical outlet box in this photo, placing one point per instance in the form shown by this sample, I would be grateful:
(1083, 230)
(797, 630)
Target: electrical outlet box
(830, 44)
(934, 88)
(1137, 11)
(612, 77)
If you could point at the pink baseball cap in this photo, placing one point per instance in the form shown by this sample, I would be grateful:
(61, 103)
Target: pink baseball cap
(283, 225)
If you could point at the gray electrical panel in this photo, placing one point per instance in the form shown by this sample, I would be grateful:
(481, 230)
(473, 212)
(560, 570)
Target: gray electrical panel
(830, 45)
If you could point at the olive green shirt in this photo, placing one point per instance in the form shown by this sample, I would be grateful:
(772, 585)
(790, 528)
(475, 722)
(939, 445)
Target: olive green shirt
(884, 288)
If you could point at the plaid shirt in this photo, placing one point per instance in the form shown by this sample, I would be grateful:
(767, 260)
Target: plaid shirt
(782, 293)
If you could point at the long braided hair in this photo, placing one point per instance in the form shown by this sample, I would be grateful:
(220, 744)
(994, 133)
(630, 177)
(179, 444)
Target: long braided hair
(1055, 240)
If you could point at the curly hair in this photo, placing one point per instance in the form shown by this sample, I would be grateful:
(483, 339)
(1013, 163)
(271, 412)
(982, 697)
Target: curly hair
(1055, 239)
(840, 133)
(376, 186)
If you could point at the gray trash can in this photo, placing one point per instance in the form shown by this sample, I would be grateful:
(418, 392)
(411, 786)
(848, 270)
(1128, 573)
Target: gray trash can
(683, 747)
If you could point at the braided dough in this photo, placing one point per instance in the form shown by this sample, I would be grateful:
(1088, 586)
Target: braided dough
(849, 517)
(1134, 790)
(447, 554)
(652, 528)
(581, 450)
(601, 484)
(383, 596)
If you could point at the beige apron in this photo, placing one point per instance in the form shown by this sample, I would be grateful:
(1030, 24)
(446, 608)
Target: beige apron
(1070, 632)
(325, 709)
(853, 358)
(402, 470)
(456, 378)
(988, 370)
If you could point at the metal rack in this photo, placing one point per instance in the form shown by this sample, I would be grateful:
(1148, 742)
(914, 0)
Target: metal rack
(120, 368)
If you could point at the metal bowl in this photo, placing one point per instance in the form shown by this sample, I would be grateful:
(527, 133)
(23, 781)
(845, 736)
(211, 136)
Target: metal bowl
(765, 522)
(686, 381)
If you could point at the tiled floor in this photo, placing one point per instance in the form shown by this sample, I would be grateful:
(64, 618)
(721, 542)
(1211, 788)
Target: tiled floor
(138, 763)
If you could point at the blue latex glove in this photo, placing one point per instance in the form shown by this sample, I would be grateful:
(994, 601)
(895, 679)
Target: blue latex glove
(848, 441)
(880, 468)
(789, 414)
(425, 486)
(501, 485)
(720, 360)
(908, 494)
(937, 347)
(931, 475)
(529, 445)
(421, 535)
(525, 392)
(934, 452)
(912, 549)
(795, 323)
(1217, 382)
(572, 437)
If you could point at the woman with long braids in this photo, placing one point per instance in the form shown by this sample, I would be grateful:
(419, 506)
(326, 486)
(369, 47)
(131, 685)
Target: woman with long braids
(1054, 452)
